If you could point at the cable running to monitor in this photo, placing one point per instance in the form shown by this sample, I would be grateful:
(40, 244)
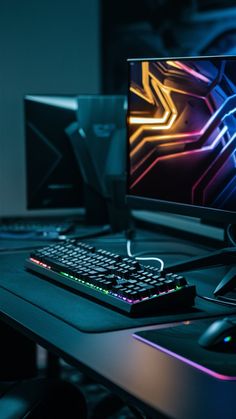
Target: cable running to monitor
(132, 255)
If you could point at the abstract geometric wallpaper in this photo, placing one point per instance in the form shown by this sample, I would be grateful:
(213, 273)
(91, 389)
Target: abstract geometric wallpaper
(182, 131)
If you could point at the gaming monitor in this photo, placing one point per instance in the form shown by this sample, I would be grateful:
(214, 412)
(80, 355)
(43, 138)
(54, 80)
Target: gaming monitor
(52, 175)
(182, 136)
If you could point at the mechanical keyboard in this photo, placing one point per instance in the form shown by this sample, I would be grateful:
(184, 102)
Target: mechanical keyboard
(111, 279)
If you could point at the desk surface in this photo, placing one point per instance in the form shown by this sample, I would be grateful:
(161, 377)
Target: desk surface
(141, 374)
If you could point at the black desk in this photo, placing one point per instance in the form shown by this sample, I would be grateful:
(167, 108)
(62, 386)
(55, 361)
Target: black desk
(141, 374)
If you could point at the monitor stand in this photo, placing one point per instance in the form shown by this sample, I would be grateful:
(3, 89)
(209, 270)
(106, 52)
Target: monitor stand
(96, 211)
(104, 195)
(225, 256)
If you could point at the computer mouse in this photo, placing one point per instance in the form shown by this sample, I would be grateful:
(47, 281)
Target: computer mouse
(220, 336)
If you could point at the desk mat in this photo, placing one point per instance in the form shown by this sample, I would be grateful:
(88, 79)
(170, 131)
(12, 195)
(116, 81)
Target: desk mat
(82, 313)
(181, 341)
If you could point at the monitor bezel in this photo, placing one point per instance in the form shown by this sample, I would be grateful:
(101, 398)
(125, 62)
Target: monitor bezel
(43, 99)
(144, 203)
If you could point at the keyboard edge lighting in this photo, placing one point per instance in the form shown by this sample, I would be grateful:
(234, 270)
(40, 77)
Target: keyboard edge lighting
(101, 289)
(40, 263)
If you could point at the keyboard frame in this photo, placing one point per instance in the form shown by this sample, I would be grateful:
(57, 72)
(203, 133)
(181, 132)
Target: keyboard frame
(186, 294)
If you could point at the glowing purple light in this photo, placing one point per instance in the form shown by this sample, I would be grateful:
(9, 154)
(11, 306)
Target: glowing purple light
(187, 361)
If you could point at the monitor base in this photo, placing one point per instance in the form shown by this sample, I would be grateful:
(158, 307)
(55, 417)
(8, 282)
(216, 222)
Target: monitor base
(225, 256)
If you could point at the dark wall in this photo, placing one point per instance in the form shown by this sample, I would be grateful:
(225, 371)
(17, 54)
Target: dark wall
(162, 28)
(46, 46)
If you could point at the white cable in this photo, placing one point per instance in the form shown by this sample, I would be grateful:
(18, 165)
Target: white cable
(156, 259)
(128, 244)
(130, 254)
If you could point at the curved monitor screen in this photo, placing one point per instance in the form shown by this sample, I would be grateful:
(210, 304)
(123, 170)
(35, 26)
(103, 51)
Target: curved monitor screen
(182, 131)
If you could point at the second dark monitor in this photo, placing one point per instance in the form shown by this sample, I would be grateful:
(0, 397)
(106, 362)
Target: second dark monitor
(53, 179)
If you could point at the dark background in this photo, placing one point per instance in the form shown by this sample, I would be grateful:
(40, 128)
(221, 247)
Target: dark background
(162, 28)
(79, 47)
(46, 47)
